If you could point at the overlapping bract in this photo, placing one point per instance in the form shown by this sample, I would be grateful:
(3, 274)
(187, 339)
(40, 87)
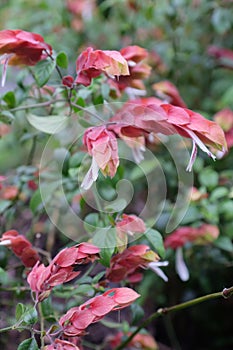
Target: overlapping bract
(127, 265)
(77, 319)
(168, 91)
(21, 247)
(61, 269)
(102, 146)
(91, 63)
(150, 115)
(61, 345)
(19, 47)
(203, 234)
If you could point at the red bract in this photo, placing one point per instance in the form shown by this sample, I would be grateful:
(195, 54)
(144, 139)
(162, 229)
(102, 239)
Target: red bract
(61, 345)
(21, 247)
(203, 234)
(130, 224)
(77, 319)
(224, 57)
(102, 146)
(61, 269)
(167, 91)
(146, 117)
(225, 119)
(126, 265)
(91, 63)
(138, 70)
(18, 47)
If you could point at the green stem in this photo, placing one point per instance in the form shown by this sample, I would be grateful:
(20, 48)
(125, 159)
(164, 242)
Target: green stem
(6, 329)
(36, 105)
(42, 330)
(226, 293)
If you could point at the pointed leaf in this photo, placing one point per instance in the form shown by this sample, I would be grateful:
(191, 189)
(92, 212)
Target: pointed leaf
(156, 241)
(62, 60)
(50, 125)
(28, 344)
(43, 71)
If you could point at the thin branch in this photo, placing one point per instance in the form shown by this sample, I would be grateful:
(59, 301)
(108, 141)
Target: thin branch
(226, 293)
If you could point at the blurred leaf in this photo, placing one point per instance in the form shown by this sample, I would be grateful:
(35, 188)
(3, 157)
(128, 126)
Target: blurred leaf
(143, 169)
(4, 204)
(98, 277)
(111, 324)
(9, 98)
(36, 202)
(62, 60)
(19, 311)
(137, 313)
(50, 125)
(221, 20)
(91, 221)
(156, 241)
(208, 178)
(6, 117)
(28, 344)
(218, 193)
(43, 71)
(29, 317)
(85, 289)
(224, 243)
(105, 239)
(4, 278)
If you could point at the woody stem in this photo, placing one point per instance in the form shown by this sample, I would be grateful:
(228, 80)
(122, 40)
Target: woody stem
(226, 293)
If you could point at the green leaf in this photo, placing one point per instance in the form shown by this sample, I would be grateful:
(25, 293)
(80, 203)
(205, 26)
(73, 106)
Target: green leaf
(28, 344)
(91, 221)
(224, 243)
(36, 202)
(10, 100)
(4, 204)
(137, 313)
(143, 169)
(6, 117)
(4, 278)
(98, 277)
(43, 71)
(19, 311)
(208, 178)
(105, 239)
(218, 193)
(156, 241)
(62, 60)
(50, 125)
(29, 316)
(111, 324)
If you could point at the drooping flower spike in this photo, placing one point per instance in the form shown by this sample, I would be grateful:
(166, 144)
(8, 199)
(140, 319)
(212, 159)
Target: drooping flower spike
(21, 247)
(102, 146)
(91, 63)
(128, 264)
(153, 116)
(77, 319)
(61, 269)
(203, 234)
(18, 47)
